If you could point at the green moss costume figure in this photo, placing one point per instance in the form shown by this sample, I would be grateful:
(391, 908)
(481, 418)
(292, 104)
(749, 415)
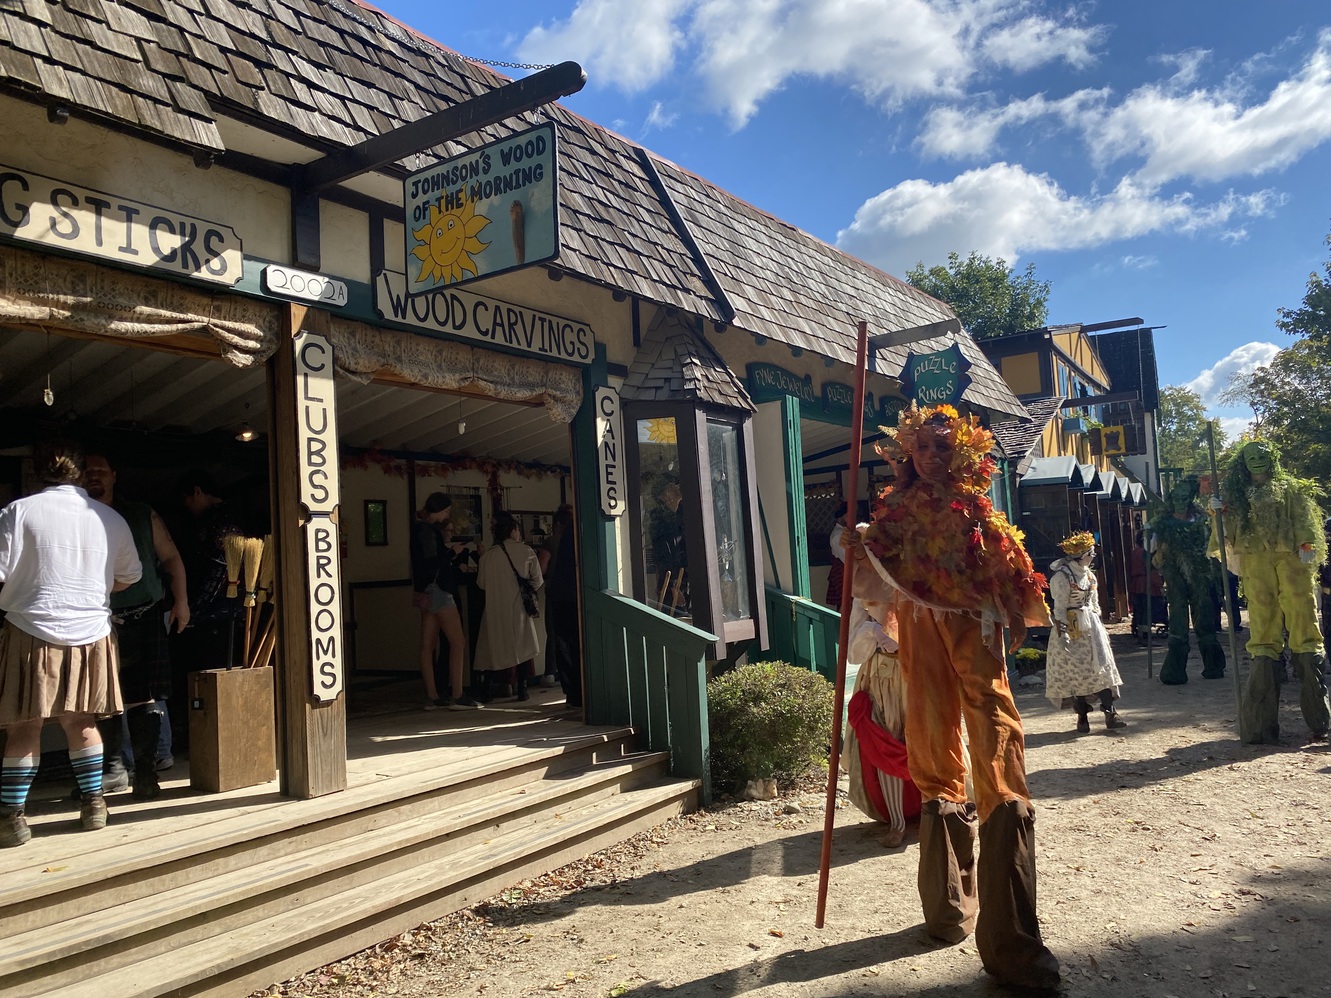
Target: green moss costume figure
(1180, 540)
(1274, 541)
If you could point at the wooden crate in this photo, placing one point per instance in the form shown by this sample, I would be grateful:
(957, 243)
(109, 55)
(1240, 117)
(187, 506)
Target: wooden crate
(231, 729)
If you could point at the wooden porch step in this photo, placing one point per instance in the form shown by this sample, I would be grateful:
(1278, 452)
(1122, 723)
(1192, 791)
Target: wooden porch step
(241, 949)
(68, 884)
(193, 911)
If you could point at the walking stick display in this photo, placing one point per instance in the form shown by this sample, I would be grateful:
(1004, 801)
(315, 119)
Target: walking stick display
(843, 641)
(253, 558)
(1224, 577)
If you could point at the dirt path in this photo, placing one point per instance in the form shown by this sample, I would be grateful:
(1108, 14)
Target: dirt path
(1172, 861)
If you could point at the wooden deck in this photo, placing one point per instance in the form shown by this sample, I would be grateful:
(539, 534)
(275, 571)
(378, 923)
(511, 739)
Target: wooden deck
(222, 894)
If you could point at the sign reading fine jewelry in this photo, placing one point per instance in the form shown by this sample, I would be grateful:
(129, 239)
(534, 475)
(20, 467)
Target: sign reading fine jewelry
(494, 209)
(52, 213)
(610, 451)
(319, 492)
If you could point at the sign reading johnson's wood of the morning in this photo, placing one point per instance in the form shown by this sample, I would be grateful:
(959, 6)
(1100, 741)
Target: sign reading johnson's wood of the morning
(59, 215)
(494, 209)
(486, 321)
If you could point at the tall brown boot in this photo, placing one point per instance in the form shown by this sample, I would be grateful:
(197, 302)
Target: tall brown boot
(947, 869)
(1008, 933)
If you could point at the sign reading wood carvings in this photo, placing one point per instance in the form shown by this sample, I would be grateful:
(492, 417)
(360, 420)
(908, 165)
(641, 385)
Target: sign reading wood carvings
(57, 215)
(323, 582)
(485, 321)
(316, 432)
(488, 211)
(610, 451)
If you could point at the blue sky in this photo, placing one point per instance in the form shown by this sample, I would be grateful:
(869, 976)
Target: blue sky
(1165, 160)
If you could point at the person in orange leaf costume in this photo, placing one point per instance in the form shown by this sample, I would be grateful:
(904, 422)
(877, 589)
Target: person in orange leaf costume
(954, 573)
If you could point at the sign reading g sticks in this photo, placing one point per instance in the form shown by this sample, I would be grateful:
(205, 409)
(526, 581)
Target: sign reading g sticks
(491, 210)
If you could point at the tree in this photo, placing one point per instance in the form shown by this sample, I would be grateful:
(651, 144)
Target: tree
(1291, 398)
(1182, 431)
(989, 297)
(1313, 317)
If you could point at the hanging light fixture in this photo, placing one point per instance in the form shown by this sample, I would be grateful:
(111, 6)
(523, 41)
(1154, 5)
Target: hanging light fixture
(462, 423)
(246, 432)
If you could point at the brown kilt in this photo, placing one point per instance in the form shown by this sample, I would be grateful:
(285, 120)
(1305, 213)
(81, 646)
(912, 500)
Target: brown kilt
(39, 679)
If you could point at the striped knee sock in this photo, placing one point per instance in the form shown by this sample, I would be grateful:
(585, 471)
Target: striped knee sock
(16, 776)
(87, 764)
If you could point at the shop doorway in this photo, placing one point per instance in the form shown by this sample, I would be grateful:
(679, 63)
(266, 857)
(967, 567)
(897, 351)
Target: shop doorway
(400, 445)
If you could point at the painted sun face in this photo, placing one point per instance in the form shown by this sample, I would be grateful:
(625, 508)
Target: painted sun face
(446, 243)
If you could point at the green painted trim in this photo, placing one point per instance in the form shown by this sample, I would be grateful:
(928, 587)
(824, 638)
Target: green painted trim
(767, 537)
(799, 532)
(597, 550)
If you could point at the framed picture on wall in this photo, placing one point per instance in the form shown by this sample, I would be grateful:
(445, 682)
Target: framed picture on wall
(535, 525)
(376, 523)
(465, 515)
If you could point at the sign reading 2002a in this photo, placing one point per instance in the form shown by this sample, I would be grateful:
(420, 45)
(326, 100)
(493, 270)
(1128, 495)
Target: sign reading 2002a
(58, 215)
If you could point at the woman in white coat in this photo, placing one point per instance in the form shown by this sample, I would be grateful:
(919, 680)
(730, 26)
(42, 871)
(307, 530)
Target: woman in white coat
(1080, 664)
(508, 641)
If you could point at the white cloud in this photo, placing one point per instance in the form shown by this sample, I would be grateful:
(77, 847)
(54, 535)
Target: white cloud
(957, 133)
(631, 42)
(1131, 262)
(1234, 426)
(744, 50)
(658, 117)
(1003, 210)
(1215, 379)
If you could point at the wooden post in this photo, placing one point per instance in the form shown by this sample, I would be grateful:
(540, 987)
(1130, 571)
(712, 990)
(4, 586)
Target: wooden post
(312, 735)
(847, 586)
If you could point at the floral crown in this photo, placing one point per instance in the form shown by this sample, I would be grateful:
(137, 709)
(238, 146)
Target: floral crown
(1078, 544)
(971, 442)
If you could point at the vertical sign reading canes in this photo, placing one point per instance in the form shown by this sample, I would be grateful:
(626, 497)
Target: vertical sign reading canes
(319, 492)
(610, 451)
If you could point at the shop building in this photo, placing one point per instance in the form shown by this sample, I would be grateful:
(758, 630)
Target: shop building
(177, 290)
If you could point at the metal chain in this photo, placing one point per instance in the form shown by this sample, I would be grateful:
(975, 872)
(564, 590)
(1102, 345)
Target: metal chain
(507, 65)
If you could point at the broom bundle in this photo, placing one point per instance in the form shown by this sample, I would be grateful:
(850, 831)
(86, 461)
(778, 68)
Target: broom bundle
(233, 548)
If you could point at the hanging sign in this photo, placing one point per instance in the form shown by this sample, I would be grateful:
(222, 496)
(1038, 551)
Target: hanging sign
(839, 401)
(316, 417)
(323, 585)
(770, 383)
(491, 210)
(610, 451)
(57, 215)
(304, 286)
(936, 378)
(486, 321)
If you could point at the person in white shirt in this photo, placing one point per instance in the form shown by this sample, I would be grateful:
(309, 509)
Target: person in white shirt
(62, 554)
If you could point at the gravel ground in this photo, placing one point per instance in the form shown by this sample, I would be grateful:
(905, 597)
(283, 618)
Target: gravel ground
(1173, 861)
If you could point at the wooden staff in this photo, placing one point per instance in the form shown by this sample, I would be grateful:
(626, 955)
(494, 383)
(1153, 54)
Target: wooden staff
(843, 641)
(665, 588)
(1218, 521)
(253, 559)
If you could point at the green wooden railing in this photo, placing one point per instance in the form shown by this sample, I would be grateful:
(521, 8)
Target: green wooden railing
(802, 633)
(652, 674)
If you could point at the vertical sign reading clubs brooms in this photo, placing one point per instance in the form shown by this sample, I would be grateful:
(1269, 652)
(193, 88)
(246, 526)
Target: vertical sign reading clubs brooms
(316, 414)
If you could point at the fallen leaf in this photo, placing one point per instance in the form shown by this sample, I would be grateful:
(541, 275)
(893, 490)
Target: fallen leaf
(776, 932)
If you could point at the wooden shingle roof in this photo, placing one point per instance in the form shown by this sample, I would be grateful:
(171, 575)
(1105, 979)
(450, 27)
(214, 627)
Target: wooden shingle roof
(674, 365)
(798, 290)
(332, 73)
(1019, 437)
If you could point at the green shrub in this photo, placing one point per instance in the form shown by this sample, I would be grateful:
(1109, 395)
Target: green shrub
(1029, 660)
(767, 720)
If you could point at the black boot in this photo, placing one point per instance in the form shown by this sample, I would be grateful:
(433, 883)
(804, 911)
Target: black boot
(145, 727)
(1083, 708)
(1174, 671)
(484, 686)
(947, 869)
(114, 775)
(1112, 720)
(1312, 693)
(1008, 932)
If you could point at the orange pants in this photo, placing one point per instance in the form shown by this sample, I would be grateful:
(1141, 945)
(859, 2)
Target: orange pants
(951, 672)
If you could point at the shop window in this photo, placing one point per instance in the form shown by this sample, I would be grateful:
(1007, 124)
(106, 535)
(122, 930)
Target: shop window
(694, 547)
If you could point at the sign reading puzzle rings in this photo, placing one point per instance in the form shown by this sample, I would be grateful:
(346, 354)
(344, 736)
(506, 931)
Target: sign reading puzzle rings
(319, 492)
